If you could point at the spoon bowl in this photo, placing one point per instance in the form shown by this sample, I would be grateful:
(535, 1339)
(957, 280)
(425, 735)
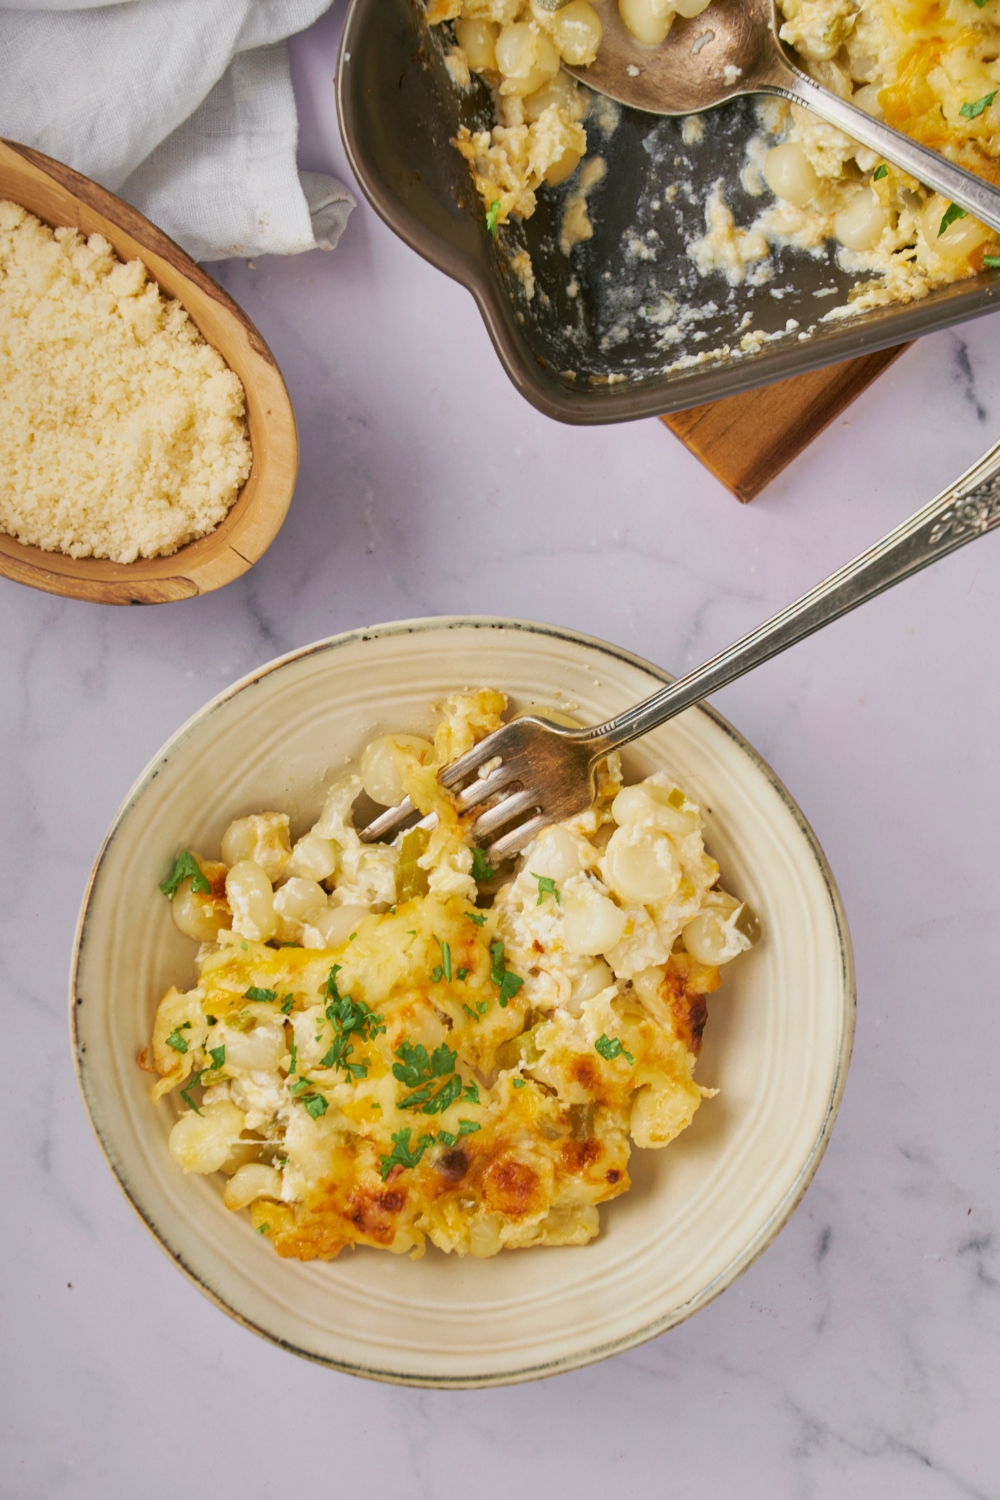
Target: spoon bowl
(727, 51)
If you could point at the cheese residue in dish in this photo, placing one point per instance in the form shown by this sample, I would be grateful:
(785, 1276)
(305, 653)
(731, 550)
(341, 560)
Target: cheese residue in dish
(930, 70)
(122, 432)
(383, 1049)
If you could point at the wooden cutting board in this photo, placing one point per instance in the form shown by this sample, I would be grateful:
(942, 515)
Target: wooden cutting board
(746, 440)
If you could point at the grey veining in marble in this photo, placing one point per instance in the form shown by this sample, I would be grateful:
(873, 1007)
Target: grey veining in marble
(859, 1356)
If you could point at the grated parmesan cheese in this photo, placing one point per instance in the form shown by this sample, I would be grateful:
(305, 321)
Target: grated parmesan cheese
(122, 432)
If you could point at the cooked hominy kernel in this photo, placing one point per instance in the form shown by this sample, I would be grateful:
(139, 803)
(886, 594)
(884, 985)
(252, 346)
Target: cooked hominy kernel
(336, 923)
(201, 1143)
(380, 767)
(477, 40)
(642, 865)
(860, 225)
(250, 1182)
(262, 837)
(526, 56)
(592, 923)
(299, 900)
(197, 914)
(789, 174)
(648, 20)
(314, 858)
(251, 900)
(960, 238)
(257, 1050)
(577, 31)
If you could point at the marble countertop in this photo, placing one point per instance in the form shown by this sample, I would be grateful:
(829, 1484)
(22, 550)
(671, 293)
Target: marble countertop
(859, 1355)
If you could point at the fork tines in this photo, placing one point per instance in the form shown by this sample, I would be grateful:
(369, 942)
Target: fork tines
(500, 792)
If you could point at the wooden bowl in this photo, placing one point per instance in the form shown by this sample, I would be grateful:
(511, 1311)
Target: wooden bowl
(59, 196)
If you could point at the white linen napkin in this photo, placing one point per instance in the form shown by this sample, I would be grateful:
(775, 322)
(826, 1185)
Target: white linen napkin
(183, 107)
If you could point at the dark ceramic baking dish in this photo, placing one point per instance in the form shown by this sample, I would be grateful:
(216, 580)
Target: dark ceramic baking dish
(589, 346)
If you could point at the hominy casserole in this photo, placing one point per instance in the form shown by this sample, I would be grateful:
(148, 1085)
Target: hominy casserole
(387, 1045)
(931, 68)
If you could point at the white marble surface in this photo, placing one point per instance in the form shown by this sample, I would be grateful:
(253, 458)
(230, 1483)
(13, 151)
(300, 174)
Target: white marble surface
(859, 1356)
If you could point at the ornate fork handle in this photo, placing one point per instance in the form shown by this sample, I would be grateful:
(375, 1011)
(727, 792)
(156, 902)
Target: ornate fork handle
(966, 510)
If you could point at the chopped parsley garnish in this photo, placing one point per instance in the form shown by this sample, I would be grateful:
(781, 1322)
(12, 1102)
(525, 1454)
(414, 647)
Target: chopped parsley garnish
(244, 947)
(212, 1020)
(482, 1006)
(468, 1127)
(298, 1086)
(446, 960)
(880, 171)
(437, 974)
(419, 1071)
(442, 1100)
(218, 1055)
(479, 917)
(401, 1155)
(470, 1094)
(446, 1138)
(315, 1105)
(295, 1058)
(546, 887)
(287, 1004)
(950, 216)
(253, 993)
(349, 1018)
(186, 1093)
(482, 870)
(184, 865)
(176, 1041)
(500, 974)
(470, 1012)
(610, 1048)
(417, 1066)
(518, 1083)
(492, 214)
(463, 973)
(993, 261)
(975, 109)
(263, 1228)
(337, 1056)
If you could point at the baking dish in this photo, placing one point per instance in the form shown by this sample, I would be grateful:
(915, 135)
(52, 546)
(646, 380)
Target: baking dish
(596, 356)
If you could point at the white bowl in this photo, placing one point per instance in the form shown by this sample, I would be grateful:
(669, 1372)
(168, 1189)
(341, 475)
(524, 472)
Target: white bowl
(777, 1043)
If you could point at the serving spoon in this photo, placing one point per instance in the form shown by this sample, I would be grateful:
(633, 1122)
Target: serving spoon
(733, 49)
(531, 772)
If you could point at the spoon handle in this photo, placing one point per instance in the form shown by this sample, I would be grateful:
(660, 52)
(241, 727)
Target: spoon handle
(966, 510)
(979, 198)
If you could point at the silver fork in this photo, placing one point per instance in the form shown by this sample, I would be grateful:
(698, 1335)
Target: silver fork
(546, 773)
